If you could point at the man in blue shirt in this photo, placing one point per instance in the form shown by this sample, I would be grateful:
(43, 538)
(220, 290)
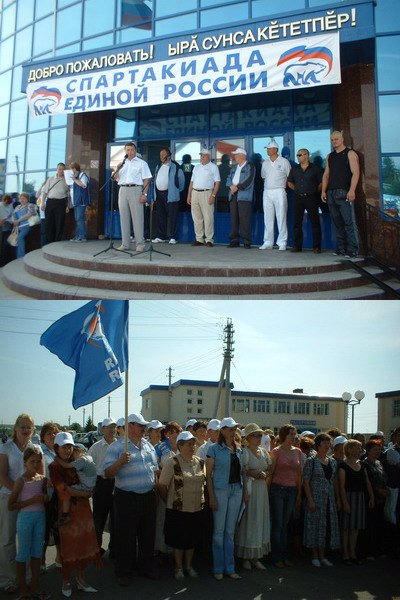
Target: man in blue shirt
(134, 500)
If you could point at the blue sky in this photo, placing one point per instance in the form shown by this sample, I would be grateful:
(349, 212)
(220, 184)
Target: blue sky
(324, 347)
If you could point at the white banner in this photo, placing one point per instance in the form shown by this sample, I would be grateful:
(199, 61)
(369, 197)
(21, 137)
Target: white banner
(306, 62)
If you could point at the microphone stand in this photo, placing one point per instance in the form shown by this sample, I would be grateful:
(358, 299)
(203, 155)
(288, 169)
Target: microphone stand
(110, 246)
(150, 249)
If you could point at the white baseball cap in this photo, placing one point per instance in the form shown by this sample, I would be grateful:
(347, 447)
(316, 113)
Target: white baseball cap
(190, 423)
(240, 151)
(121, 422)
(272, 145)
(155, 424)
(64, 437)
(205, 151)
(184, 436)
(340, 439)
(307, 434)
(213, 424)
(108, 421)
(137, 418)
(228, 422)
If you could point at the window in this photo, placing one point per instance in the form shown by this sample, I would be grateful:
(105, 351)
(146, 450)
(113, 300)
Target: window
(261, 406)
(199, 411)
(260, 8)
(43, 36)
(98, 17)
(391, 185)
(240, 405)
(396, 407)
(282, 407)
(189, 411)
(224, 14)
(199, 392)
(176, 24)
(189, 392)
(390, 125)
(165, 9)
(147, 403)
(189, 401)
(199, 401)
(387, 15)
(69, 25)
(388, 56)
(321, 408)
(301, 408)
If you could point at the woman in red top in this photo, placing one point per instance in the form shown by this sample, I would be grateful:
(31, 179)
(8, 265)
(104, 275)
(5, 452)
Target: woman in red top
(285, 491)
(78, 542)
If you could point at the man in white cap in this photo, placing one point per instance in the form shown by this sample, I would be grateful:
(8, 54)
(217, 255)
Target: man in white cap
(202, 193)
(240, 182)
(275, 172)
(104, 488)
(134, 500)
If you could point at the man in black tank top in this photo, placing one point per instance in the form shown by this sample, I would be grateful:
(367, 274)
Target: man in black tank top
(339, 183)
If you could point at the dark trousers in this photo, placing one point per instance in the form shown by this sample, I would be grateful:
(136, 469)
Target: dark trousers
(103, 500)
(343, 217)
(241, 213)
(310, 204)
(134, 523)
(167, 217)
(55, 217)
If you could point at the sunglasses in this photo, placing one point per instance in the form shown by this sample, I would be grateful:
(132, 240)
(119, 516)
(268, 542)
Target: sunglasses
(302, 154)
(256, 435)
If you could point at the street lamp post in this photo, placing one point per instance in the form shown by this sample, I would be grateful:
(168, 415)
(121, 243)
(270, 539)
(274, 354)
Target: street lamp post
(347, 397)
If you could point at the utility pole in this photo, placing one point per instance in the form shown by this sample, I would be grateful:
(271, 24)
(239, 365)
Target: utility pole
(223, 403)
(169, 391)
(109, 403)
(83, 424)
(93, 413)
(69, 422)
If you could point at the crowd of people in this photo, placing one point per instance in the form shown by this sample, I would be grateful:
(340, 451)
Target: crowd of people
(47, 208)
(246, 497)
(197, 188)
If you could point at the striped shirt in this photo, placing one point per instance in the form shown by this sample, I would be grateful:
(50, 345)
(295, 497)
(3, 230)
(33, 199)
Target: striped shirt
(138, 474)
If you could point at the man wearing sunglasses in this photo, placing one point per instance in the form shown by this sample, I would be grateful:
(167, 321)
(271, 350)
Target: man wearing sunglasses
(306, 181)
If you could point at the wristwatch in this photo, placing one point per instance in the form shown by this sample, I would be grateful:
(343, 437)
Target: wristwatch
(213, 195)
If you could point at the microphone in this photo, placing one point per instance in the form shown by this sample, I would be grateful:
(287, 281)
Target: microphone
(124, 161)
(120, 167)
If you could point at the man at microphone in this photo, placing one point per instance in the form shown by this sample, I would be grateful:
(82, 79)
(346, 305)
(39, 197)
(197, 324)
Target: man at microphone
(133, 176)
(169, 182)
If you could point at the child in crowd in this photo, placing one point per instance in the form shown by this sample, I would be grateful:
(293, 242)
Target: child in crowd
(29, 496)
(86, 470)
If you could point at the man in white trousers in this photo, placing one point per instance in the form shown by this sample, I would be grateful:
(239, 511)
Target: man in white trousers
(275, 172)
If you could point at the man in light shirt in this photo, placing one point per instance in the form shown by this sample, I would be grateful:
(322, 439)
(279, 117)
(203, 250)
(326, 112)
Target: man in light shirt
(169, 182)
(133, 176)
(275, 172)
(202, 193)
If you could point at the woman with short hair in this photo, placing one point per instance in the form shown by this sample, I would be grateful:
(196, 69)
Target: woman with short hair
(181, 485)
(253, 532)
(321, 527)
(22, 213)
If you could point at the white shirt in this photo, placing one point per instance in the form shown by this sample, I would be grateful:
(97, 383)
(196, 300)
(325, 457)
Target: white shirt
(236, 177)
(134, 171)
(204, 176)
(98, 453)
(202, 450)
(162, 177)
(15, 460)
(275, 173)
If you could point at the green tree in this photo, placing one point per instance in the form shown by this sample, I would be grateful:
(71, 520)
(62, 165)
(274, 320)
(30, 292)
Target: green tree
(76, 427)
(90, 425)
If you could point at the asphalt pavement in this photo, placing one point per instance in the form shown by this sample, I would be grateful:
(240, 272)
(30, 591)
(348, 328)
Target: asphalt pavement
(378, 580)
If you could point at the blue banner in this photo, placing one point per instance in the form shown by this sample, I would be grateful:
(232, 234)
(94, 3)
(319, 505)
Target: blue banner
(93, 341)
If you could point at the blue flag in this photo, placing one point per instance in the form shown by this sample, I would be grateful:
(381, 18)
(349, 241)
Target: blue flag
(93, 341)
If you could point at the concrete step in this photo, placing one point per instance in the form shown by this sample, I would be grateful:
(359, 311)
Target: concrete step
(36, 277)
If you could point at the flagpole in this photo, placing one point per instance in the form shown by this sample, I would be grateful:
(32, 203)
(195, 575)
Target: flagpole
(126, 411)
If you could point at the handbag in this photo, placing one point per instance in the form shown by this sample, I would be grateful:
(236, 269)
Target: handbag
(13, 237)
(34, 220)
